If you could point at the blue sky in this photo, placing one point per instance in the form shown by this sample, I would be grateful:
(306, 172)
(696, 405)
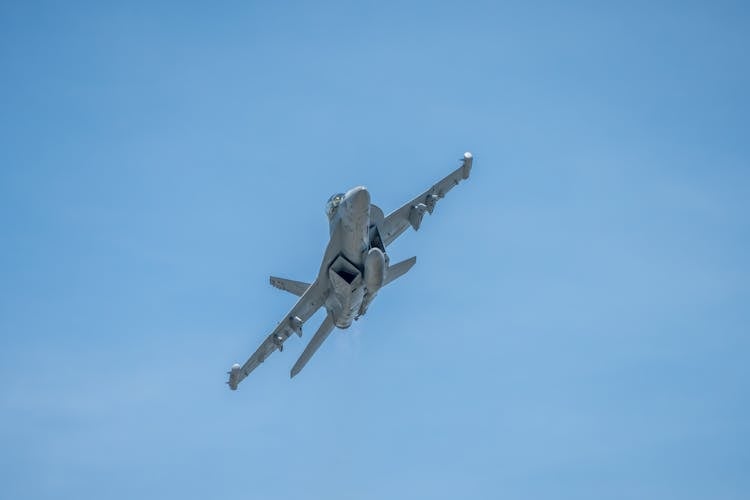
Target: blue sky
(576, 325)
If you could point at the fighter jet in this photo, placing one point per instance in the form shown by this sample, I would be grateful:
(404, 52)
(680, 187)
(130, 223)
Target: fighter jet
(355, 267)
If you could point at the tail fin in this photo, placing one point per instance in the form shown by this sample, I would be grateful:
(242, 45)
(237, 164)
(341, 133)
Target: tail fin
(324, 330)
(398, 270)
(294, 287)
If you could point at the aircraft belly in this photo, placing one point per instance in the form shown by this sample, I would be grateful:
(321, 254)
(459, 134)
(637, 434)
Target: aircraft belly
(347, 291)
(346, 308)
(353, 247)
(355, 240)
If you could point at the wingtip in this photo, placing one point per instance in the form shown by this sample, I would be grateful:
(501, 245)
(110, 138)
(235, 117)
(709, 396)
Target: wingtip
(468, 161)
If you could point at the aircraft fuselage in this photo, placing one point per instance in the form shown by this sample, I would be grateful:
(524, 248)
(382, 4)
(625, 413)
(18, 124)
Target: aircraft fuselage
(354, 267)
(356, 271)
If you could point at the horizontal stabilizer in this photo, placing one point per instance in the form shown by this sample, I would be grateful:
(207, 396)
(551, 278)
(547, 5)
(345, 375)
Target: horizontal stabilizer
(398, 270)
(295, 287)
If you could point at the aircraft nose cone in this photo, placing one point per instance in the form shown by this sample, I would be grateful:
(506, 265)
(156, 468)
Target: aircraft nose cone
(359, 199)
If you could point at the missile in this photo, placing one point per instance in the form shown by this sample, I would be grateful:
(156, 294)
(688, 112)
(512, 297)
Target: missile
(468, 160)
(234, 376)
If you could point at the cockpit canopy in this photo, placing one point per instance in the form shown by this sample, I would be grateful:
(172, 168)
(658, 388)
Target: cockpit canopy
(333, 204)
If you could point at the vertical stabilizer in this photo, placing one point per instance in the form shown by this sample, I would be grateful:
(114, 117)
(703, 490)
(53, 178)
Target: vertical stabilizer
(325, 329)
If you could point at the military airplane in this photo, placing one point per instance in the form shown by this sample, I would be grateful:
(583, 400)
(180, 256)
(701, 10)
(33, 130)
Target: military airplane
(355, 267)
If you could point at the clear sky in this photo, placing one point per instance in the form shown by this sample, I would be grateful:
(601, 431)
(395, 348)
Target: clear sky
(576, 326)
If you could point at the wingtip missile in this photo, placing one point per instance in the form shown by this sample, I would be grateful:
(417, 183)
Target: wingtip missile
(234, 376)
(468, 160)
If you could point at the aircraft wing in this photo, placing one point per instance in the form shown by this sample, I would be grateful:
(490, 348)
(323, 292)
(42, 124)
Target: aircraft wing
(310, 301)
(411, 213)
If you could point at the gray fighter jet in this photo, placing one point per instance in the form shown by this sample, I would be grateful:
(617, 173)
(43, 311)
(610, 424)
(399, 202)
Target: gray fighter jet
(355, 267)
